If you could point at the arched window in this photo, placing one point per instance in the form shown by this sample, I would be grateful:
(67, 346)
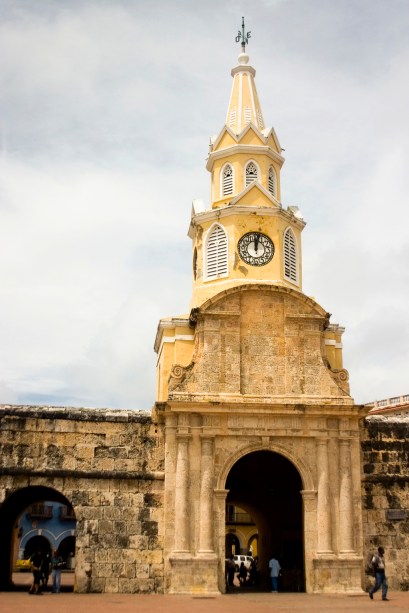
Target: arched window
(272, 181)
(216, 253)
(227, 180)
(290, 256)
(251, 173)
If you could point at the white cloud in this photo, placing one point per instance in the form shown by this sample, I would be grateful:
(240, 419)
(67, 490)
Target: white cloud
(106, 110)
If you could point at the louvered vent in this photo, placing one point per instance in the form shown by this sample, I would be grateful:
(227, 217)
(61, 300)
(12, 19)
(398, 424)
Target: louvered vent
(290, 256)
(216, 254)
(247, 114)
(232, 118)
(227, 180)
(272, 187)
(260, 120)
(251, 173)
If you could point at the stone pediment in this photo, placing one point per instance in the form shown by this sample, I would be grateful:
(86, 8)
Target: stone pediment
(259, 341)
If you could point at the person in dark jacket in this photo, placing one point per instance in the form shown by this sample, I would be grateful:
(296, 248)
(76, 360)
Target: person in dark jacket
(36, 564)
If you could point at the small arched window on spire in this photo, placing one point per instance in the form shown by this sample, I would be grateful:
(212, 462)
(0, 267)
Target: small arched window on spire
(290, 256)
(215, 253)
(251, 173)
(227, 180)
(272, 181)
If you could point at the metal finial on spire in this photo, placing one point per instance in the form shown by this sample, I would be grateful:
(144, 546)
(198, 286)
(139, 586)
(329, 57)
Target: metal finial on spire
(242, 37)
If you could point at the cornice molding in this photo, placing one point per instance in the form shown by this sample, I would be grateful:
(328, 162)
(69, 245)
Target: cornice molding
(249, 149)
(215, 214)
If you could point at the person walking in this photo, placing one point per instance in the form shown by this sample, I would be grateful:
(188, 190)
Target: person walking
(36, 563)
(275, 568)
(231, 569)
(378, 563)
(56, 565)
(242, 574)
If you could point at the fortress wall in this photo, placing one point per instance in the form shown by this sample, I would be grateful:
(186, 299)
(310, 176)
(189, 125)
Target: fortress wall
(385, 492)
(109, 466)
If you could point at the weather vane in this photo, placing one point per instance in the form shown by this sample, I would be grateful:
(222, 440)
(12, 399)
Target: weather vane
(242, 37)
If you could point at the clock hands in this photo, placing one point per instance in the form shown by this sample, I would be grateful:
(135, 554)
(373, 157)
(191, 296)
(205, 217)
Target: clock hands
(256, 241)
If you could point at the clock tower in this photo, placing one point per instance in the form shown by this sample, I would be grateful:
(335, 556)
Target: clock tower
(246, 235)
(252, 396)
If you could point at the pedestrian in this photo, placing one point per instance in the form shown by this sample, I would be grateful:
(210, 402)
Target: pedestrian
(275, 568)
(56, 565)
(231, 567)
(36, 563)
(253, 572)
(45, 570)
(378, 563)
(242, 574)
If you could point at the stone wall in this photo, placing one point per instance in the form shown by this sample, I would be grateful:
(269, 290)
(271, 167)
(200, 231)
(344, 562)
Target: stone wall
(109, 466)
(385, 490)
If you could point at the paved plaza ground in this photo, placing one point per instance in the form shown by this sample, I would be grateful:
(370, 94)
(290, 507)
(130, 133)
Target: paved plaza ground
(66, 602)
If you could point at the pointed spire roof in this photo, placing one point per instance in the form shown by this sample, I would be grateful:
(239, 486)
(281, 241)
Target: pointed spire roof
(244, 105)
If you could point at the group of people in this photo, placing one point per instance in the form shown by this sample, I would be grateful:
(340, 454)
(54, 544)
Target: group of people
(250, 576)
(41, 564)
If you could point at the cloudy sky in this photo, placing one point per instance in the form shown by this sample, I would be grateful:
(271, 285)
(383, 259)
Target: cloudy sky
(106, 109)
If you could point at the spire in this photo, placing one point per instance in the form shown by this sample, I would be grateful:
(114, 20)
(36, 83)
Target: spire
(244, 106)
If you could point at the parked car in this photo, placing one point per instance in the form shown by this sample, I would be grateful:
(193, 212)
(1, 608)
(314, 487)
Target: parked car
(23, 565)
(242, 558)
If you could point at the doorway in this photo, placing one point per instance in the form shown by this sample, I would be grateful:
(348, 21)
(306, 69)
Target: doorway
(33, 518)
(268, 487)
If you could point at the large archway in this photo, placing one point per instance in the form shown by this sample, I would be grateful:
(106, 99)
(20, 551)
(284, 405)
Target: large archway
(268, 487)
(10, 512)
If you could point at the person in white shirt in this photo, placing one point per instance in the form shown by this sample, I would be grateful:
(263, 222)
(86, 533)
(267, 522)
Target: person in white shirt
(378, 563)
(274, 566)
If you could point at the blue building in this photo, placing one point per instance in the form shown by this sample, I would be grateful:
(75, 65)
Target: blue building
(47, 526)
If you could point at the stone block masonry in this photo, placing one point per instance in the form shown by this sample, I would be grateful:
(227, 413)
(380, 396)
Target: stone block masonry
(109, 466)
(385, 492)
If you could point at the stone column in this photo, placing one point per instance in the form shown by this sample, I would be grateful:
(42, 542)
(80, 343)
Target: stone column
(206, 544)
(346, 519)
(182, 515)
(323, 499)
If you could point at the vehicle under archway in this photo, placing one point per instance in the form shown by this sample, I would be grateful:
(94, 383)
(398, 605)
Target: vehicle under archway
(268, 487)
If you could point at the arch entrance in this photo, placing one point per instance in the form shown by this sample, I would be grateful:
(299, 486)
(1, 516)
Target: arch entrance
(266, 488)
(26, 520)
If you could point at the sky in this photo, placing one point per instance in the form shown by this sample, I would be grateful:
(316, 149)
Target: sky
(106, 110)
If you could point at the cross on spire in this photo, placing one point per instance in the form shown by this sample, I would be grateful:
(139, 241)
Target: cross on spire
(243, 37)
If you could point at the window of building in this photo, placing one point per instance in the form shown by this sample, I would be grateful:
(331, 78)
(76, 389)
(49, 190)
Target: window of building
(290, 256)
(195, 264)
(227, 180)
(272, 181)
(216, 264)
(247, 115)
(251, 173)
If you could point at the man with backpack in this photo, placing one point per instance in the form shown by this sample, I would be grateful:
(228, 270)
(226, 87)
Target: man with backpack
(378, 563)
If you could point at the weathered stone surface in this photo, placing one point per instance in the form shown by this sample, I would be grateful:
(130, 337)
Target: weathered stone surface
(385, 488)
(89, 457)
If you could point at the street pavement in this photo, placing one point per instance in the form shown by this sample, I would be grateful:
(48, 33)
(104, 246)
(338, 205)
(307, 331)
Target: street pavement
(238, 602)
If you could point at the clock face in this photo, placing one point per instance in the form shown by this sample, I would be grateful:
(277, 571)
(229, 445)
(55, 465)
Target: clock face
(256, 249)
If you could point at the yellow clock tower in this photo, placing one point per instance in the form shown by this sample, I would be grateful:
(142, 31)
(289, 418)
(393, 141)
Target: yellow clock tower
(251, 390)
(246, 236)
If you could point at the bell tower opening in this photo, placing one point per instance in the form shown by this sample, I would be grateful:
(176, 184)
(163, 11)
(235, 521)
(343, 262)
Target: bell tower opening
(265, 493)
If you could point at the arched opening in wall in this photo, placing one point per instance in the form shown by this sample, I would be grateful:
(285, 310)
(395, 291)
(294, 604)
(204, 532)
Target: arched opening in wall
(232, 545)
(265, 488)
(34, 544)
(35, 519)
